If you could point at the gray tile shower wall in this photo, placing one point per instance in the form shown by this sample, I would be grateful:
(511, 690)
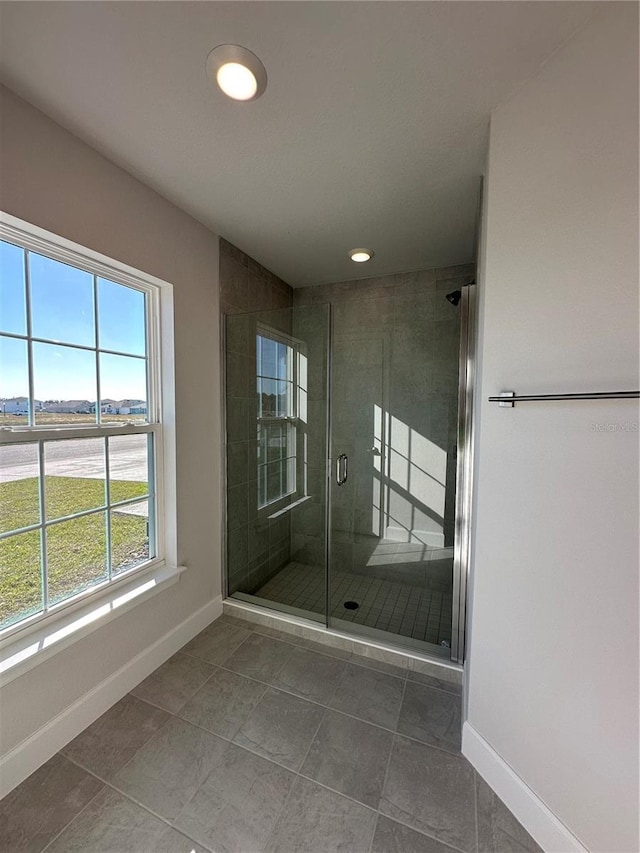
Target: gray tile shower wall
(257, 547)
(396, 341)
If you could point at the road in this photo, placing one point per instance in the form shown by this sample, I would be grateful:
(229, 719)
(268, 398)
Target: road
(78, 458)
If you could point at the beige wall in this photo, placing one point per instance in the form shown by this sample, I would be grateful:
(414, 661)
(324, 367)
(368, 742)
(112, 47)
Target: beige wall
(51, 179)
(553, 668)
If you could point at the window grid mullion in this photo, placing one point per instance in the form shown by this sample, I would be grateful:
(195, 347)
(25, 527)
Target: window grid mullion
(27, 286)
(83, 347)
(107, 488)
(43, 529)
(151, 491)
(96, 340)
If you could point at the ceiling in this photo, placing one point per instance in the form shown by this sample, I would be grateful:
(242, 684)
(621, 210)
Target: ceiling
(372, 131)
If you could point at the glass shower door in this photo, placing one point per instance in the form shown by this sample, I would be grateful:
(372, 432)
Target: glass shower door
(394, 387)
(276, 454)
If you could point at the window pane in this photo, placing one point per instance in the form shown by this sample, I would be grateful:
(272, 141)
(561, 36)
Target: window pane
(284, 371)
(268, 357)
(65, 380)
(13, 312)
(129, 536)
(74, 476)
(277, 442)
(123, 385)
(274, 481)
(291, 474)
(285, 399)
(121, 318)
(302, 405)
(302, 371)
(76, 555)
(128, 466)
(19, 486)
(20, 577)
(61, 302)
(268, 397)
(14, 382)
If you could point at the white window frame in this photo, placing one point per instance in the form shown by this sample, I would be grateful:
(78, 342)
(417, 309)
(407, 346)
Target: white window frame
(68, 620)
(292, 422)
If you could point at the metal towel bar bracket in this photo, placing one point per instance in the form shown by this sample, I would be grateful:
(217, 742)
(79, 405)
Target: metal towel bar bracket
(508, 399)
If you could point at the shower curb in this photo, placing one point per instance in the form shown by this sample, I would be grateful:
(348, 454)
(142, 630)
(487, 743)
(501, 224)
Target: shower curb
(443, 669)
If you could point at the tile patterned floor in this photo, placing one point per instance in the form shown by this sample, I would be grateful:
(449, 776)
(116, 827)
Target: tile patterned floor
(250, 740)
(410, 609)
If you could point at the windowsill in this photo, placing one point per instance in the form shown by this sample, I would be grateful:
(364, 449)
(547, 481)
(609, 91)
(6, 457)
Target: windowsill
(48, 638)
(289, 507)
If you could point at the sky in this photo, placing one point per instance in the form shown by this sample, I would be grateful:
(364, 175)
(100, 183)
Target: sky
(63, 312)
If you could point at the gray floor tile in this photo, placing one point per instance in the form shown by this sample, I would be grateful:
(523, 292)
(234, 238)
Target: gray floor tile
(217, 642)
(108, 744)
(175, 682)
(250, 625)
(393, 837)
(112, 823)
(349, 756)
(260, 657)
(224, 703)
(316, 820)
(167, 772)
(380, 665)
(237, 806)
(432, 716)
(281, 728)
(323, 649)
(310, 675)
(38, 809)
(432, 791)
(498, 830)
(431, 681)
(370, 695)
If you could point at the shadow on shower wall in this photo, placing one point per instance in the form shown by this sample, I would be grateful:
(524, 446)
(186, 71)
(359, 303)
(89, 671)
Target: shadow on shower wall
(394, 393)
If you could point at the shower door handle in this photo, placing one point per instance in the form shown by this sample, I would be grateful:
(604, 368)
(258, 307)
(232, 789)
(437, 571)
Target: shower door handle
(342, 469)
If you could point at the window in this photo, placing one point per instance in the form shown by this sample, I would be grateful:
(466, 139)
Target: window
(82, 448)
(281, 398)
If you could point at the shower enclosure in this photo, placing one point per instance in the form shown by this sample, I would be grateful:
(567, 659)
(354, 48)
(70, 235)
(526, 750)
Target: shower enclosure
(348, 427)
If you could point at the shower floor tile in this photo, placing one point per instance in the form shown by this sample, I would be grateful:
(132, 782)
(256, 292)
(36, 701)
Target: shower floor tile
(419, 612)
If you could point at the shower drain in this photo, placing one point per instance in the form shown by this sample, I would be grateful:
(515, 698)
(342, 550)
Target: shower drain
(351, 605)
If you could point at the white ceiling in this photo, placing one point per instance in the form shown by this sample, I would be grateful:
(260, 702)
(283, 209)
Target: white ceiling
(372, 131)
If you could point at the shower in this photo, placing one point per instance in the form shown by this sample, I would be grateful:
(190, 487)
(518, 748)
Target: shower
(343, 417)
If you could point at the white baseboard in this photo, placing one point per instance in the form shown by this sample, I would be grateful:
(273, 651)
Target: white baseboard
(539, 821)
(27, 756)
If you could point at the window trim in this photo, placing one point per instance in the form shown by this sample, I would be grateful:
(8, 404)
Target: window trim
(160, 421)
(292, 422)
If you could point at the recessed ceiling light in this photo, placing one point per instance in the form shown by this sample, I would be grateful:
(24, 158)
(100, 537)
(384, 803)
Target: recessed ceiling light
(238, 72)
(361, 255)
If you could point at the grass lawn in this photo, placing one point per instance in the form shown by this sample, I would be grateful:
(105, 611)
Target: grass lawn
(59, 419)
(76, 549)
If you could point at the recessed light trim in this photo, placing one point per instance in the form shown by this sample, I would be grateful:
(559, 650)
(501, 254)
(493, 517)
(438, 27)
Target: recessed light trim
(237, 72)
(361, 256)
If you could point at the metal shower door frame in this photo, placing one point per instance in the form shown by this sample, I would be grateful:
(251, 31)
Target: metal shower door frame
(464, 472)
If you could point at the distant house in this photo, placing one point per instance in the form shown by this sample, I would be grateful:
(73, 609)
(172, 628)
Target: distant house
(121, 407)
(132, 407)
(70, 407)
(17, 405)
